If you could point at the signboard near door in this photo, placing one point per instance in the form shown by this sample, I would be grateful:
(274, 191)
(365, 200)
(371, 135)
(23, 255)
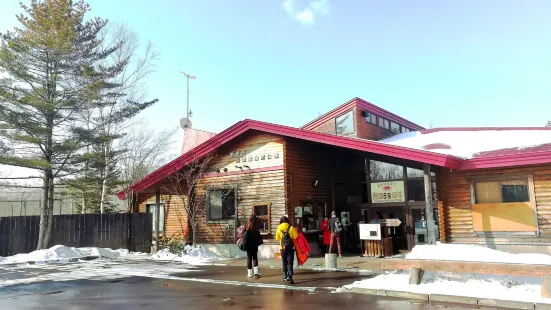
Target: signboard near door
(387, 192)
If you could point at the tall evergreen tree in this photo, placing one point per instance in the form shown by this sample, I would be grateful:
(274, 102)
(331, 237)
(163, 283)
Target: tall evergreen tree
(51, 63)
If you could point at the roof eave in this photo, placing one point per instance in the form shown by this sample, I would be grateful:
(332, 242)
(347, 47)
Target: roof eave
(526, 159)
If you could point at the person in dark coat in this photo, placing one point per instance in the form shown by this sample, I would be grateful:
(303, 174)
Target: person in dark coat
(253, 241)
(335, 236)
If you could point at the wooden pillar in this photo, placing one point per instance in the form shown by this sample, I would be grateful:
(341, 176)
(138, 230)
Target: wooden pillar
(428, 205)
(157, 217)
(409, 225)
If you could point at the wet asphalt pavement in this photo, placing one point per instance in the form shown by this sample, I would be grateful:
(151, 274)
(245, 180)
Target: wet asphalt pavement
(208, 287)
(147, 293)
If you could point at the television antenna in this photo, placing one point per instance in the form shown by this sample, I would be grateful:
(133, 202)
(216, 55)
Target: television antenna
(185, 122)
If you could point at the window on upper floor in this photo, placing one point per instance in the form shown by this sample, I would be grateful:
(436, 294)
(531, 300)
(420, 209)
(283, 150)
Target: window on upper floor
(371, 118)
(384, 123)
(405, 129)
(344, 124)
(394, 127)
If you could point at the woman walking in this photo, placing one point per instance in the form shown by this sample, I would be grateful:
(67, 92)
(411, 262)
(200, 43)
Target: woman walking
(253, 241)
(285, 235)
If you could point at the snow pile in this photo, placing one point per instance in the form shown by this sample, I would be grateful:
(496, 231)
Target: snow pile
(470, 285)
(60, 253)
(465, 144)
(192, 256)
(473, 253)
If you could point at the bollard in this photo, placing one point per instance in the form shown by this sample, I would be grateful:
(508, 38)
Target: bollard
(415, 276)
(331, 260)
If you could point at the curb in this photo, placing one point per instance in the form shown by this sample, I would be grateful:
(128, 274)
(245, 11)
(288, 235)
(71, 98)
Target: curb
(472, 301)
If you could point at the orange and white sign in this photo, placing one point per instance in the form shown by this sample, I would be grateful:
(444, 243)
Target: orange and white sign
(385, 192)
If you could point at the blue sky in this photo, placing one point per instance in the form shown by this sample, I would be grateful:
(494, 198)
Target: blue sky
(452, 63)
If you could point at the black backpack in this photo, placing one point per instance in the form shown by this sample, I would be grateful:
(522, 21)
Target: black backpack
(286, 240)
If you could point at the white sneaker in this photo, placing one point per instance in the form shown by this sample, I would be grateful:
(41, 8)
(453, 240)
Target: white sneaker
(250, 273)
(256, 272)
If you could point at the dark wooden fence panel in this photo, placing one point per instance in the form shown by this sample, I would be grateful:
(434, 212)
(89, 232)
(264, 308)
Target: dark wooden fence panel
(19, 234)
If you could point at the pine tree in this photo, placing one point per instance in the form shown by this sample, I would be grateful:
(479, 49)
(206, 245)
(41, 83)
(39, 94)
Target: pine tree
(51, 63)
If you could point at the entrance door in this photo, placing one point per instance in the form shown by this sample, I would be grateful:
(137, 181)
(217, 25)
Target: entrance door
(398, 234)
(420, 225)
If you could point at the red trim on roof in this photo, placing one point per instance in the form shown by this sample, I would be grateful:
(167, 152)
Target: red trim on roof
(328, 139)
(432, 130)
(364, 105)
(533, 156)
(515, 151)
(338, 111)
(523, 159)
(388, 115)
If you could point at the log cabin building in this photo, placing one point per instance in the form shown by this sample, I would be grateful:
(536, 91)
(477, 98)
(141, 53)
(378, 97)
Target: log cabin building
(486, 186)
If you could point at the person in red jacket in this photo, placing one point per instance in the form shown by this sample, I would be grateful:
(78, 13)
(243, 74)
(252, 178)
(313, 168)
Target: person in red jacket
(326, 233)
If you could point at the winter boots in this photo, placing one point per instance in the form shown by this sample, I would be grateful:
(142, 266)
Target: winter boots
(256, 272)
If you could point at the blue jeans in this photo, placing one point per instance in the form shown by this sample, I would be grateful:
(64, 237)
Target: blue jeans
(287, 258)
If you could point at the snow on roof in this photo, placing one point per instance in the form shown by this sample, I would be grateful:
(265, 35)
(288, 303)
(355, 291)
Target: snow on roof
(472, 142)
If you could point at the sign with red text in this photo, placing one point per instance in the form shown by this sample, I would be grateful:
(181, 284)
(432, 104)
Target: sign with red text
(385, 192)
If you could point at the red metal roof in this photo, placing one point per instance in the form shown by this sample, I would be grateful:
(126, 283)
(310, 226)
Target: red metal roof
(493, 159)
(540, 154)
(365, 106)
(427, 131)
(328, 139)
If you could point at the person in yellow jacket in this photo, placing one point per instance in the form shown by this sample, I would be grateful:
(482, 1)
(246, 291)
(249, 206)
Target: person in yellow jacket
(285, 235)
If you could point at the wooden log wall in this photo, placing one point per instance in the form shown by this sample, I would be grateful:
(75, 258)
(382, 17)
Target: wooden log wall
(176, 220)
(306, 162)
(251, 188)
(455, 207)
(261, 181)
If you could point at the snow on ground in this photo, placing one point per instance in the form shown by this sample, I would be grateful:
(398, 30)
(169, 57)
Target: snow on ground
(473, 253)
(60, 253)
(470, 285)
(99, 269)
(53, 264)
(190, 256)
(63, 254)
(464, 284)
(465, 144)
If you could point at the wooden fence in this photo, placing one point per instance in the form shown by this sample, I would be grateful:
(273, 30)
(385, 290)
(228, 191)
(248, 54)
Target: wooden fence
(132, 231)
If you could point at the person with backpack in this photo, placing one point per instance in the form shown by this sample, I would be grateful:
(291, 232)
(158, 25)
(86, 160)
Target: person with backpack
(285, 234)
(336, 227)
(252, 240)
